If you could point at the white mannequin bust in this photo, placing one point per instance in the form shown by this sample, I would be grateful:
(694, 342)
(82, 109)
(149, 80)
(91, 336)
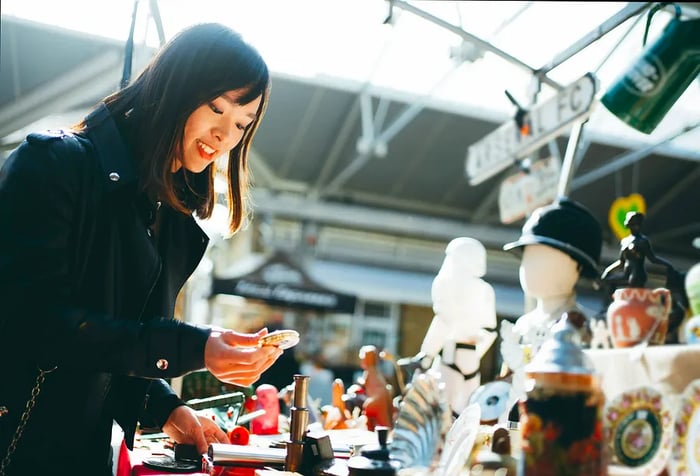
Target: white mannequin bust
(464, 307)
(559, 242)
(549, 276)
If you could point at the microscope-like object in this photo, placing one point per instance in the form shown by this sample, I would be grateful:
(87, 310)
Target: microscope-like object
(305, 452)
(299, 422)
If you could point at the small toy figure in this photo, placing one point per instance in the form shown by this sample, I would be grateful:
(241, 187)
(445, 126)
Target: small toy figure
(601, 335)
(336, 416)
(378, 407)
(634, 250)
(267, 399)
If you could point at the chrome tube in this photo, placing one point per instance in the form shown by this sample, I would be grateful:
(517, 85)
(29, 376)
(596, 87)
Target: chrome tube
(298, 424)
(222, 454)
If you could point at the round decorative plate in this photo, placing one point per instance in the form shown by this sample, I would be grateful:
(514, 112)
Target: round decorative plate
(492, 397)
(685, 453)
(638, 426)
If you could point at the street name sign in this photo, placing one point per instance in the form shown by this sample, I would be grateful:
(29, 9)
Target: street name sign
(522, 193)
(501, 148)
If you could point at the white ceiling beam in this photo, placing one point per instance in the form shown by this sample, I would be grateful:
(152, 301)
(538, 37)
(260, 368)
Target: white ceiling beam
(302, 129)
(628, 11)
(264, 176)
(690, 180)
(93, 77)
(626, 159)
(337, 147)
(380, 142)
(478, 42)
(296, 207)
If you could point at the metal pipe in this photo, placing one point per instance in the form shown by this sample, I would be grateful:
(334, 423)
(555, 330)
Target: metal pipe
(155, 13)
(567, 166)
(223, 454)
(298, 424)
(630, 10)
(626, 159)
(476, 40)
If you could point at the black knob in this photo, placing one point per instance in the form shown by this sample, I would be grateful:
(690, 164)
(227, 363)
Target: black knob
(382, 434)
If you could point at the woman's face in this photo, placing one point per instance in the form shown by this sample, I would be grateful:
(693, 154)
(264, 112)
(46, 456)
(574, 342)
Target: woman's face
(213, 129)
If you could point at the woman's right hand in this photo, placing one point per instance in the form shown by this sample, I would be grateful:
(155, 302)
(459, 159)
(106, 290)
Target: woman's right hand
(236, 358)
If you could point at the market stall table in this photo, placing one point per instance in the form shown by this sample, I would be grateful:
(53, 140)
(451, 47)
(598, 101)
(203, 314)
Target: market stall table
(668, 368)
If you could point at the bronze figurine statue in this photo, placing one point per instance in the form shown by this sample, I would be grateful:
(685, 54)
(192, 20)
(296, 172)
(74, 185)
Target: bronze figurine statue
(634, 250)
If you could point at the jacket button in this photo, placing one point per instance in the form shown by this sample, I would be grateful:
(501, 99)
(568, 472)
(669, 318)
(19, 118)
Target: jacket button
(4, 411)
(162, 364)
(114, 176)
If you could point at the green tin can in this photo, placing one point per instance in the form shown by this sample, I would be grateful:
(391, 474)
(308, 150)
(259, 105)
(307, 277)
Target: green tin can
(643, 95)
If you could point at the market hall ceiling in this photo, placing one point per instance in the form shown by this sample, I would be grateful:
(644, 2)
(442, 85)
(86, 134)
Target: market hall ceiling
(343, 153)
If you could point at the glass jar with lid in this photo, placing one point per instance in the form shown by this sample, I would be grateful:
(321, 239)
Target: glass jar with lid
(561, 416)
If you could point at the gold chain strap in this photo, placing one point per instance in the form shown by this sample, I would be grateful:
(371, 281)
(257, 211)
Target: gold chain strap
(24, 419)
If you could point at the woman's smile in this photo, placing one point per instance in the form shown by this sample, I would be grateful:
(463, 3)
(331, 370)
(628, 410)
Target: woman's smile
(205, 150)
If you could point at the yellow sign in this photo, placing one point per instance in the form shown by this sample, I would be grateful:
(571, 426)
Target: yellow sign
(619, 208)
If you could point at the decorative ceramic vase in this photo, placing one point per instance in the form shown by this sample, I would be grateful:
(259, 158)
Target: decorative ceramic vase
(639, 314)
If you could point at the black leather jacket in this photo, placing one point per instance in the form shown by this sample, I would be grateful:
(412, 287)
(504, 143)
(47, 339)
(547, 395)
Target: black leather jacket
(85, 288)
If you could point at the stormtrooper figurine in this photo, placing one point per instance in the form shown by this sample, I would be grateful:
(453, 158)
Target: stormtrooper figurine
(463, 328)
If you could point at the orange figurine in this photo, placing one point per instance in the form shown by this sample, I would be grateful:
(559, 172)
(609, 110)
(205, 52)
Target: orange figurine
(378, 407)
(337, 415)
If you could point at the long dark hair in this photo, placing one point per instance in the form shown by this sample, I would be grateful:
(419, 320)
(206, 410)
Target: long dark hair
(194, 67)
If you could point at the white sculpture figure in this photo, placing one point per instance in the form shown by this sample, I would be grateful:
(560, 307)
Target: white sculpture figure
(463, 328)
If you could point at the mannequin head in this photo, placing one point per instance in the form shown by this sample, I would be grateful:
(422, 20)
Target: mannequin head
(567, 226)
(547, 272)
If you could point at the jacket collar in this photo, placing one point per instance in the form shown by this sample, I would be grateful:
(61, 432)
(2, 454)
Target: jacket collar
(113, 154)
(117, 165)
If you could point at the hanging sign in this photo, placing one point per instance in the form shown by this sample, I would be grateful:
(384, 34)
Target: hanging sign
(522, 193)
(283, 282)
(501, 148)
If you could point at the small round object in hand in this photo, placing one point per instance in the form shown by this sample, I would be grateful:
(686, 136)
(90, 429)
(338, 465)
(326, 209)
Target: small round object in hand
(284, 339)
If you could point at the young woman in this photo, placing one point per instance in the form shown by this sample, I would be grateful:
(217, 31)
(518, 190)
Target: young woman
(97, 239)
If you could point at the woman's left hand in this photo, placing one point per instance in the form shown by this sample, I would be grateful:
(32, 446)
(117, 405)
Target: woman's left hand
(185, 426)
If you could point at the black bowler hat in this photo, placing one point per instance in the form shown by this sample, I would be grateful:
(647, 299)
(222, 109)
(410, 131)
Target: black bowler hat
(567, 226)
